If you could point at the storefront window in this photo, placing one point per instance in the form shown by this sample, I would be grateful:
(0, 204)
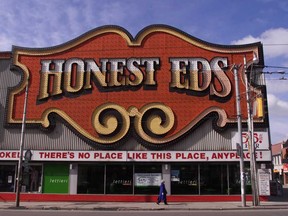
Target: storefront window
(248, 188)
(184, 179)
(213, 179)
(32, 175)
(7, 178)
(119, 179)
(234, 179)
(147, 178)
(90, 179)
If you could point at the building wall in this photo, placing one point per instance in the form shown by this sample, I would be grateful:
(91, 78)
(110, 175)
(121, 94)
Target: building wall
(204, 137)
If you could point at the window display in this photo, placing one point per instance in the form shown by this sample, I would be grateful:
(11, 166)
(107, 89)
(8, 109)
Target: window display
(32, 175)
(213, 178)
(184, 179)
(90, 179)
(147, 178)
(119, 179)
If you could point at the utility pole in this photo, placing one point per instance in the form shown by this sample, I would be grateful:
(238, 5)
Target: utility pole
(19, 173)
(240, 141)
(251, 145)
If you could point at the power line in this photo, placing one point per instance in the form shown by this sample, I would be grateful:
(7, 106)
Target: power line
(275, 72)
(275, 44)
(270, 66)
(280, 67)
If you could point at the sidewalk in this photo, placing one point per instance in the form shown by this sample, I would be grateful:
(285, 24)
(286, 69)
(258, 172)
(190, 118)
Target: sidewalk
(275, 202)
(134, 206)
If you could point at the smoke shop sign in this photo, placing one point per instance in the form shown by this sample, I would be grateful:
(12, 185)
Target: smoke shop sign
(137, 156)
(261, 140)
(105, 82)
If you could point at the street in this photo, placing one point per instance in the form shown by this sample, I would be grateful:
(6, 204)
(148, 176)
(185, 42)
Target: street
(252, 212)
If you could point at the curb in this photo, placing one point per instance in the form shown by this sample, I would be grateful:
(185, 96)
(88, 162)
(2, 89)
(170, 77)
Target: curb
(141, 209)
(141, 206)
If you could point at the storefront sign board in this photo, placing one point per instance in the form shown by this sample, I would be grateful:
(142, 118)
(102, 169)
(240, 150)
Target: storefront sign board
(137, 156)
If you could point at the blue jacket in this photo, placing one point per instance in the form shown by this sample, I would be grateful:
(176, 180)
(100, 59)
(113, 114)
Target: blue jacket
(162, 192)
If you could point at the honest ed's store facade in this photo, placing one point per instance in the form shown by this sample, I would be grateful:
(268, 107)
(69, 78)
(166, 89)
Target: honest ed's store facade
(110, 115)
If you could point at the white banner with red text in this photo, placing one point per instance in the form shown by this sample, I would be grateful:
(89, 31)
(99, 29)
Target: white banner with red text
(261, 140)
(136, 156)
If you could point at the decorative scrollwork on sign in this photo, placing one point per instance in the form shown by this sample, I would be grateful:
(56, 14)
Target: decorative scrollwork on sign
(153, 121)
(111, 122)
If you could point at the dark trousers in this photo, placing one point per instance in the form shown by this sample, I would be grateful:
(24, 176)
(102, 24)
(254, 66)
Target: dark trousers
(160, 198)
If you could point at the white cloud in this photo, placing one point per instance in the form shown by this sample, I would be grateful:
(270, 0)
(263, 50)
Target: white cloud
(278, 117)
(277, 90)
(278, 130)
(5, 43)
(47, 23)
(110, 13)
(50, 23)
(277, 36)
(277, 106)
(276, 86)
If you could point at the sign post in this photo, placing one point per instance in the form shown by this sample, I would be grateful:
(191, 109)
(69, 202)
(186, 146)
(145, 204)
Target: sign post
(240, 145)
(251, 144)
(19, 172)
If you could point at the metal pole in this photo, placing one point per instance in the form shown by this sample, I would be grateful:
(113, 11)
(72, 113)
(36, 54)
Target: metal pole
(251, 146)
(19, 173)
(254, 163)
(239, 123)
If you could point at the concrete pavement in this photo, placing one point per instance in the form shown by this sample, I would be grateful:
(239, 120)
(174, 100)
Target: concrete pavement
(275, 202)
(135, 206)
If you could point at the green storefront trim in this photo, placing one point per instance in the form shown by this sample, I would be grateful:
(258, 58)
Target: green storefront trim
(56, 178)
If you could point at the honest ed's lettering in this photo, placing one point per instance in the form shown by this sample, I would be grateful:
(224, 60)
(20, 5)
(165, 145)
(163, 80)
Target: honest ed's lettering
(196, 74)
(75, 74)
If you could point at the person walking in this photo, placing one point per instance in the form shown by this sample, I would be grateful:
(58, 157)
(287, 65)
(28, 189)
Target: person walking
(162, 194)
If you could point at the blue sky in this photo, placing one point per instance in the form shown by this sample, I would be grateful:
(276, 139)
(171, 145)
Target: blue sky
(38, 23)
